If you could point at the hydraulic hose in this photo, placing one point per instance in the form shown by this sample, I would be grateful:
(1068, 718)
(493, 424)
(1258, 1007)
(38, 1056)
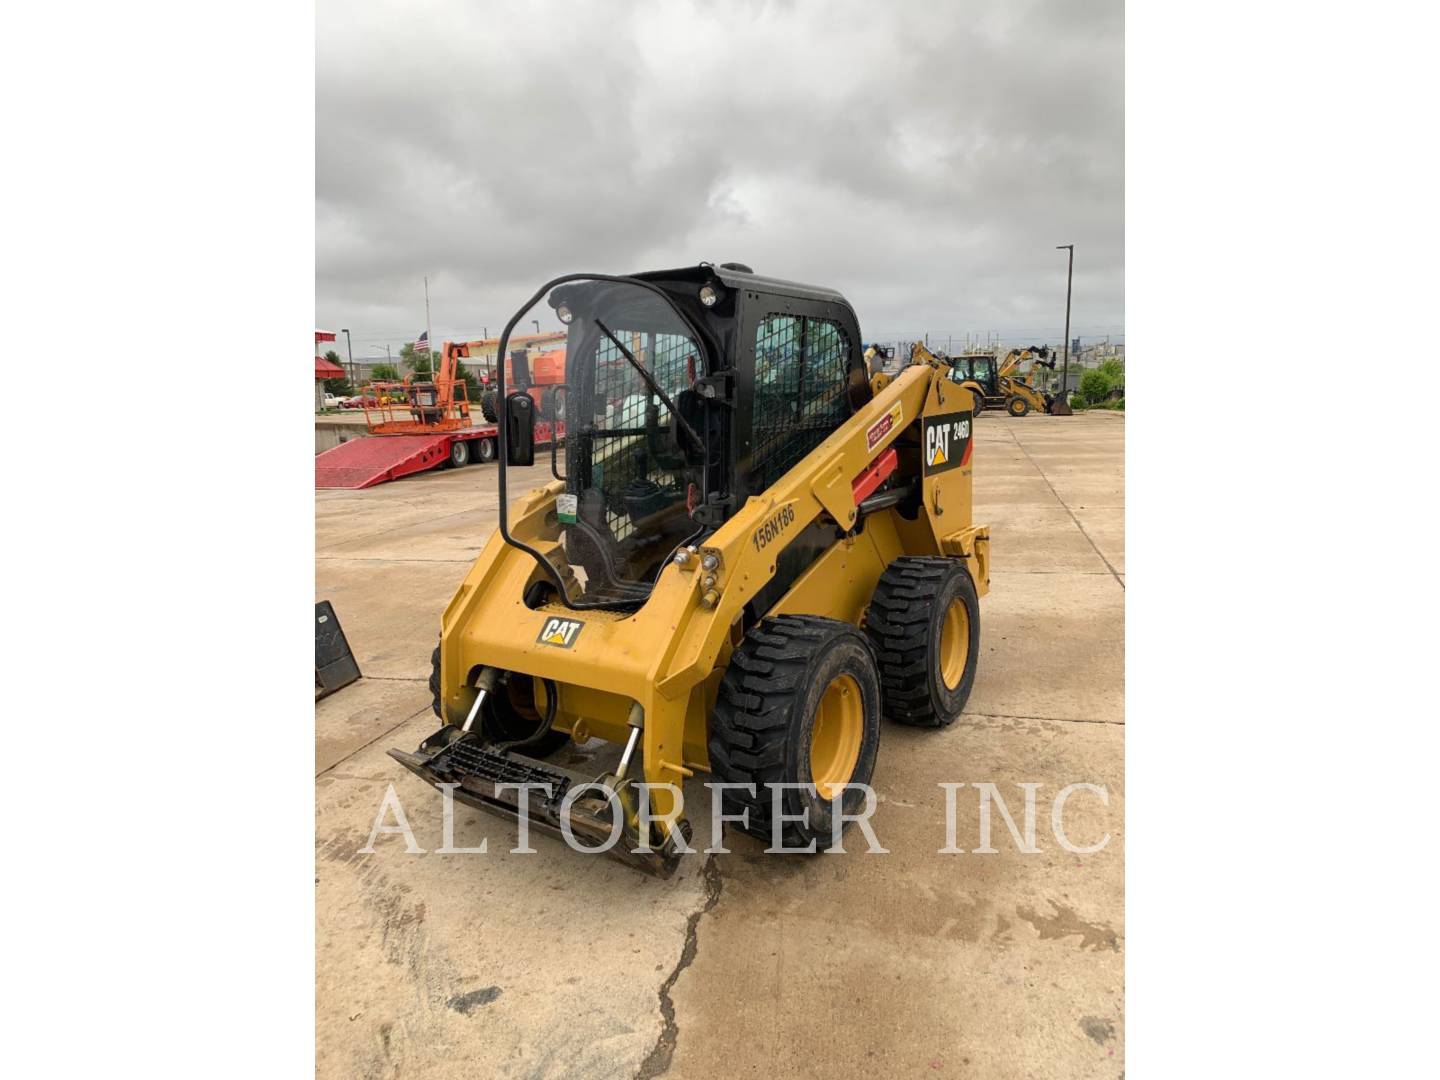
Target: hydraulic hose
(552, 701)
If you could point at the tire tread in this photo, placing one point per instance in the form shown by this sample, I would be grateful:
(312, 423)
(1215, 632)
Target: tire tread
(898, 623)
(751, 722)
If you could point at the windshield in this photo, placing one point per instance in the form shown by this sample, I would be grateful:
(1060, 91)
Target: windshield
(633, 470)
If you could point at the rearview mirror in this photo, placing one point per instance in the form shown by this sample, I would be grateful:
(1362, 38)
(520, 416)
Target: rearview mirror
(519, 429)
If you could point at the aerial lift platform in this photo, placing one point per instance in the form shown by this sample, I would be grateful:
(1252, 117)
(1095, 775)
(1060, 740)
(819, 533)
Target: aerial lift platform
(420, 425)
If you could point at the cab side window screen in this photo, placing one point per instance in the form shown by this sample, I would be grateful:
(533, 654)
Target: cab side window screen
(801, 371)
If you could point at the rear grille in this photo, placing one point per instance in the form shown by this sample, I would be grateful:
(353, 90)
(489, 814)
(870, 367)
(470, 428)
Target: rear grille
(468, 758)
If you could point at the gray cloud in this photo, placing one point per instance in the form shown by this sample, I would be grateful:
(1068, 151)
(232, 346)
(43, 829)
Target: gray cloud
(924, 158)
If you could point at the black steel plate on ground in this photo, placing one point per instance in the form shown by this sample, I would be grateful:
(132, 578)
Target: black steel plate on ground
(335, 665)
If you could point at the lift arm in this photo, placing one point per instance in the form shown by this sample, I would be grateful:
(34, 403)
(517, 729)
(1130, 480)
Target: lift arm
(830, 482)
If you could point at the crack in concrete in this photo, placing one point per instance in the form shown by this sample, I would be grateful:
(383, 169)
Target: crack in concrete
(1054, 573)
(1113, 572)
(386, 558)
(372, 742)
(1047, 719)
(657, 1062)
(414, 524)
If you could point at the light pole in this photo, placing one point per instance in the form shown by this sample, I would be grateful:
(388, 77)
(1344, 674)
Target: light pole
(537, 326)
(349, 357)
(1069, 277)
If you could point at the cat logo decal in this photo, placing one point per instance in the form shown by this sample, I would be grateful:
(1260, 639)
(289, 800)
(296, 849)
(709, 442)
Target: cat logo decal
(560, 632)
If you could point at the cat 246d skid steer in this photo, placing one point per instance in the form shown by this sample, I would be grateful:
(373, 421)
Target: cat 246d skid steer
(751, 551)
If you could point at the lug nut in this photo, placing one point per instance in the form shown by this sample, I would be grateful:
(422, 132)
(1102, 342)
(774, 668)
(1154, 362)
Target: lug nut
(711, 562)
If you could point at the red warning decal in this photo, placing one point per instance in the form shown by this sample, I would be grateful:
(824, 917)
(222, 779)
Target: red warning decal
(877, 431)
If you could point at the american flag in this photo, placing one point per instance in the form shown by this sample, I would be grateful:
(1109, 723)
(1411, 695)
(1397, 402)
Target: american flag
(422, 343)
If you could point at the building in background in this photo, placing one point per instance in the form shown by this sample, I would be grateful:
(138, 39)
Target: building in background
(324, 369)
(362, 372)
(480, 362)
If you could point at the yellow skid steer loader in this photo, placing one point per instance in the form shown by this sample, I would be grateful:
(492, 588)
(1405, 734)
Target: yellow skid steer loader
(750, 552)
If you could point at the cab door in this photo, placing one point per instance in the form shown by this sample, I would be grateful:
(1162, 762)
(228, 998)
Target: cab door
(983, 372)
(800, 369)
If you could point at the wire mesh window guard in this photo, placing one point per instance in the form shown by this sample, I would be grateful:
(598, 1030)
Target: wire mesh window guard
(801, 368)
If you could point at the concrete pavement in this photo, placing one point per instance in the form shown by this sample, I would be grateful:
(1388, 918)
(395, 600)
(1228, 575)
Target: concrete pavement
(911, 963)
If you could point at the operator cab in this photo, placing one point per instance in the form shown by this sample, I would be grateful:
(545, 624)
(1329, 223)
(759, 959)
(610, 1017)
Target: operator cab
(687, 392)
(975, 367)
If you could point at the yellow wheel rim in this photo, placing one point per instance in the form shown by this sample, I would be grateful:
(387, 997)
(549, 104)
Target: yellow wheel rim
(954, 643)
(835, 736)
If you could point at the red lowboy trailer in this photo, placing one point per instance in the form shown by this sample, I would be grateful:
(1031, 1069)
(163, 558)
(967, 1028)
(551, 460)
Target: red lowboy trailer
(425, 423)
(362, 463)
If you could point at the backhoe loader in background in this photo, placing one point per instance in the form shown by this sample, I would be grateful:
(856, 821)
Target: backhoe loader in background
(750, 552)
(1002, 386)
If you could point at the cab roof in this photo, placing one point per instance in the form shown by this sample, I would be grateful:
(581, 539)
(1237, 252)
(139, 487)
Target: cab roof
(745, 279)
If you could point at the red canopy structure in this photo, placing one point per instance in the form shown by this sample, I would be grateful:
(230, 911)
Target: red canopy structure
(324, 369)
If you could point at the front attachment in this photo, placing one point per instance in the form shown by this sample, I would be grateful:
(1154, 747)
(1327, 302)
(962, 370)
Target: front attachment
(489, 780)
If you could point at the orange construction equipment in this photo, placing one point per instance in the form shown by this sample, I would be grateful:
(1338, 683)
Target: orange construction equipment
(436, 404)
(428, 419)
(542, 377)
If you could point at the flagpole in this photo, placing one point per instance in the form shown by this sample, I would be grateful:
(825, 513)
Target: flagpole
(429, 341)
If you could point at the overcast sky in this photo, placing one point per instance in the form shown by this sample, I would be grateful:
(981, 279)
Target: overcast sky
(923, 158)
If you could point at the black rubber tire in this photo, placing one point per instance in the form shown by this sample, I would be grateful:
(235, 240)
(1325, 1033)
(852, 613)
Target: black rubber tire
(435, 683)
(1017, 406)
(485, 451)
(487, 406)
(904, 621)
(459, 455)
(500, 720)
(761, 728)
(979, 403)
